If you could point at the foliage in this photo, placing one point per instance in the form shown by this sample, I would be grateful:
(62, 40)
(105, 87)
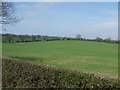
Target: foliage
(22, 74)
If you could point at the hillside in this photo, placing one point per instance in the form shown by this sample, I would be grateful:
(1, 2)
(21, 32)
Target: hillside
(92, 57)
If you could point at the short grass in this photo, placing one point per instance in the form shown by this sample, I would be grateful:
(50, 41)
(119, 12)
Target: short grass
(92, 57)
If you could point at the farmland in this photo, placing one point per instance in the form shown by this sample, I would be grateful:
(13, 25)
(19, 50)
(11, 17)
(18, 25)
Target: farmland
(85, 56)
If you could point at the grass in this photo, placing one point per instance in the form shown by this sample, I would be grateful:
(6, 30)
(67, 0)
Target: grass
(92, 57)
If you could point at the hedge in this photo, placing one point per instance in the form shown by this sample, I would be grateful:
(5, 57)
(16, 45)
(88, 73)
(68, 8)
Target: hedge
(25, 74)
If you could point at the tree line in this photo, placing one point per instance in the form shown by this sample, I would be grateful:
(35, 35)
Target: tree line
(13, 38)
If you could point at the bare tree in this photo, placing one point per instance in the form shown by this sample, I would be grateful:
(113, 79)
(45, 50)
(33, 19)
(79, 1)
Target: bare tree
(108, 40)
(99, 39)
(7, 14)
(78, 36)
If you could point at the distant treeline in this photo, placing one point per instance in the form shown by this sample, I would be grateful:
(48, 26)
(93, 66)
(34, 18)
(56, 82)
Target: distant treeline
(13, 38)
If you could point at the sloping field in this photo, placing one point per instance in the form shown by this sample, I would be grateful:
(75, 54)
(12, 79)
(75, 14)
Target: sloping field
(92, 57)
(23, 74)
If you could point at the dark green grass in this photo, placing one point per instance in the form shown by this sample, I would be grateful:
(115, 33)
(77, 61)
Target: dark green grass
(92, 57)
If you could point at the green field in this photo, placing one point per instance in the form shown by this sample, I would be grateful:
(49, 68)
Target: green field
(92, 57)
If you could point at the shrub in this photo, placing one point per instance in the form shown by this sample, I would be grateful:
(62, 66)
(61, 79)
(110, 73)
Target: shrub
(26, 74)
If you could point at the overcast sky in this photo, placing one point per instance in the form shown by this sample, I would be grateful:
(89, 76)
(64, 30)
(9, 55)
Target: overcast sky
(90, 19)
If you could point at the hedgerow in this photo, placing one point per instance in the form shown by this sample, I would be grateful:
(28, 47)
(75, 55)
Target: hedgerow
(26, 74)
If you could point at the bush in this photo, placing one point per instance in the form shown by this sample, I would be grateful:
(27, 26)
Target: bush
(26, 74)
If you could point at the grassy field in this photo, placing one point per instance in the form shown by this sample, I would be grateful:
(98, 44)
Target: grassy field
(92, 57)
